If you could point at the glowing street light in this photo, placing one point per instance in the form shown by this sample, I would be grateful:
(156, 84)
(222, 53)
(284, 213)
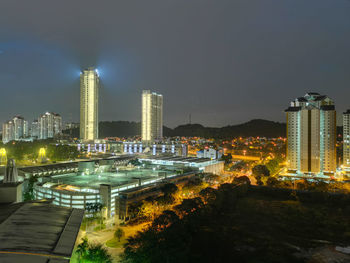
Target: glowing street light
(42, 155)
(3, 156)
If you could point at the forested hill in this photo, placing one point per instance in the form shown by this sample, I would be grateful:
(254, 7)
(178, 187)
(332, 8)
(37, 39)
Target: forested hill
(263, 128)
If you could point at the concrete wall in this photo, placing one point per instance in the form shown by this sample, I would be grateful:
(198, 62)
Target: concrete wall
(216, 168)
(11, 193)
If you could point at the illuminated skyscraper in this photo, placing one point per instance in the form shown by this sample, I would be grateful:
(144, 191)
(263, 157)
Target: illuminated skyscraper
(49, 125)
(346, 138)
(8, 132)
(89, 88)
(311, 135)
(152, 117)
(20, 127)
(15, 129)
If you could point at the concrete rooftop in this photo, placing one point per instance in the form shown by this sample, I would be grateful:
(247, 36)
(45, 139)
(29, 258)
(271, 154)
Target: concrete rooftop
(38, 232)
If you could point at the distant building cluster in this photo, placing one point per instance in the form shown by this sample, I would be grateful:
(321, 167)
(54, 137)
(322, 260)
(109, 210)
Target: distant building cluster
(15, 129)
(48, 125)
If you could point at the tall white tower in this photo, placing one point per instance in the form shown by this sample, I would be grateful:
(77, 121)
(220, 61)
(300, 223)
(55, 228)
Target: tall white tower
(311, 134)
(89, 88)
(152, 116)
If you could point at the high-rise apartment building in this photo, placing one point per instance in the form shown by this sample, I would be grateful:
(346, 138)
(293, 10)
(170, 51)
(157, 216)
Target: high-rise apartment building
(89, 89)
(152, 117)
(8, 131)
(15, 129)
(34, 129)
(49, 125)
(311, 135)
(20, 127)
(346, 139)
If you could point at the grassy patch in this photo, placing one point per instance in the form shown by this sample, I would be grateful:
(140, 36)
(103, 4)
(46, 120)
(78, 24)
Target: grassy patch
(113, 243)
(100, 227)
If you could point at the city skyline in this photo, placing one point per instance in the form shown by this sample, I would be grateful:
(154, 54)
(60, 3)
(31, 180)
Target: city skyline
(216, 54)
(175, 131)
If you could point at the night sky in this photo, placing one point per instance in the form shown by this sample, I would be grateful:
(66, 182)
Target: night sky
(225, 62)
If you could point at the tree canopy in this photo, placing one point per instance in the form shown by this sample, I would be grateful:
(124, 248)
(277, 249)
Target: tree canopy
(241, 223)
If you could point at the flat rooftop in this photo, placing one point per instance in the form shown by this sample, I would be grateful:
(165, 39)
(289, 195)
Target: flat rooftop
(177, 159)
(117, 178)
(38, 231)
(69, 165)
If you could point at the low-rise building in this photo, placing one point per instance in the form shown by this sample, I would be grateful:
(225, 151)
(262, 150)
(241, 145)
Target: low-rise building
(130, 197)
(205, 165)
(76, 190)
(210, 153)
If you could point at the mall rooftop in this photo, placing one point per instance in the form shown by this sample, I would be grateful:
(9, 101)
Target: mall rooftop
(202, 164)
(76, 181)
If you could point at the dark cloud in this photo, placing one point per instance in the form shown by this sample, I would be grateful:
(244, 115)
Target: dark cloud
(222, 61)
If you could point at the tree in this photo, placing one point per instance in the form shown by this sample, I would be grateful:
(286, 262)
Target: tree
(273, 182)
(260, 172)
(256, 226)
(193, 186)
(134, 209)
(119, 233)
(97, 253)
(82, 248)
(169, 189)
(241, 180)
(149, 209)
(189, 206)
(163, 221)
(208, 194)
(88, 252)
(239, 166)
(28, 195)
(227, 158)
(165, 200)
(212, 178)
(273, 166)
(96, 210)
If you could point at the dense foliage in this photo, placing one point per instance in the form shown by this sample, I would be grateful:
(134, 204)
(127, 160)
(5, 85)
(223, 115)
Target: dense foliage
(260, 172)
(241, 223)
(28, 195)
(92, 252)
